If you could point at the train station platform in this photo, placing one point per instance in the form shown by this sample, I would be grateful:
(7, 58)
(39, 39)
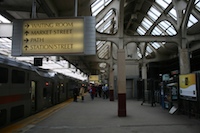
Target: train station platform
(100, 116)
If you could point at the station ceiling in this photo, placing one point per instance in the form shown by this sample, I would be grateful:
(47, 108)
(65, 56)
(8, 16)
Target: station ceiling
(152, 28)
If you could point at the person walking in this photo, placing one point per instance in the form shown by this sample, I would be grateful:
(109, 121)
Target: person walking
(105, 91)
(82, 91)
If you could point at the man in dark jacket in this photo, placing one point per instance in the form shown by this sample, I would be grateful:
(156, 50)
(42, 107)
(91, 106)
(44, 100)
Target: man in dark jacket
(75, 93)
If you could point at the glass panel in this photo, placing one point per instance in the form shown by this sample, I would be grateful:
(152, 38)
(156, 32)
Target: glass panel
(156, 31)
(149, 50)
(155, 45)
(3, 19)
(192, 21)
(4, 75)
(100, 23)
(172, 13)
(197, 5)
(18, 76)
(163, 3)
(152, 16)
(155, 11)
(99, 5)
(171, 31)
(140, 30)
(167, 27)
(146, 23)
(139, 53)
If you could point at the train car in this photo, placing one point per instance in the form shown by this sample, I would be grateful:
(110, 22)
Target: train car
(41, 89)
(27, 89)
(14, 90)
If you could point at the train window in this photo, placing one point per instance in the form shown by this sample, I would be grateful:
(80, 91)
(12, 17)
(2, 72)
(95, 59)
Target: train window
(4, 75)
(18, 76)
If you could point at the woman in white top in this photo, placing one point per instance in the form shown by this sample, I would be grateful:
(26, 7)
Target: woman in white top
(82, 91)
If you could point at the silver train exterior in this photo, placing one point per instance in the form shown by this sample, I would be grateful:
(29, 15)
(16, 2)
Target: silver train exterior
(26, 89)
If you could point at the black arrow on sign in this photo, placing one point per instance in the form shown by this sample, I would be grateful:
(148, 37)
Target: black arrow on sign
(26, 25)
(26, 32)
(26, 40)
(26, 47)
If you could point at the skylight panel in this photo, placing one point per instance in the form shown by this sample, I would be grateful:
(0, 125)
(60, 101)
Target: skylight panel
(172, 13)
(167, 27)
(107, 2)
(100, 23)
(140, 30)
(192, 21)
(164, 24)
(107, 25)
(139, 53)
(197, 5)
(156, 31)
(100, 44)
(171, 31)
(149, 50)
(6, 40)
(152, 16)
(163, 3)
(155, 45)
(3, 19)
(99, 5)
(108, 14)
(146, 23)
(155, 11)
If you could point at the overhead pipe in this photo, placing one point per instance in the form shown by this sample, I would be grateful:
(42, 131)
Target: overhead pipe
(76, 8)
(33, 15)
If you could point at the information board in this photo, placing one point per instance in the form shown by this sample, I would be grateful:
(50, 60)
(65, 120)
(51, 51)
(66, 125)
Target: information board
(58, 36)
(53, 36)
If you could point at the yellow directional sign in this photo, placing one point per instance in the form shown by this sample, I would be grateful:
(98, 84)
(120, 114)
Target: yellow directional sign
(53, 36)
(94, 77)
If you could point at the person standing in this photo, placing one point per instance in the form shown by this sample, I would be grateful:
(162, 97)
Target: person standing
(99, 90)
(92, 91)
(75, 93)
(82, 91)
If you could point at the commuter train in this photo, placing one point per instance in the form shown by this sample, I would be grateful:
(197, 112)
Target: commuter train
(26, 89)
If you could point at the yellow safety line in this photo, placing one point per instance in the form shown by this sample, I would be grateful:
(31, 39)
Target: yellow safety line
(33, 119)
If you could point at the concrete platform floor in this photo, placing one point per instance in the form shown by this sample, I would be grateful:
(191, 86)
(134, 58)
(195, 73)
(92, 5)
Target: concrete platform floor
(100, 116)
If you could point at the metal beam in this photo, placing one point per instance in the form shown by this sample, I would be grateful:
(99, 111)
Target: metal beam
(137, 38)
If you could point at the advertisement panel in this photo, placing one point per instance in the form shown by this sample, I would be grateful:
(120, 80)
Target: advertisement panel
(188, 87)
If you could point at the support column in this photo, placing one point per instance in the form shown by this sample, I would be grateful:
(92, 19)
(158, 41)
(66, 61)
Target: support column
(144, 77)
(111, 82)
(184, 61)
(121, 82)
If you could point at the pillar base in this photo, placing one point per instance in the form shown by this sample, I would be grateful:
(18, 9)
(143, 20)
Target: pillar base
(111, 94)
(122, 105)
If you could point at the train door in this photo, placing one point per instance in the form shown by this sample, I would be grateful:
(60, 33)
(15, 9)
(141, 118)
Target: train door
(58, 92)
(129, 88)
(52, 94)
(33, 96)
(67, 89)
